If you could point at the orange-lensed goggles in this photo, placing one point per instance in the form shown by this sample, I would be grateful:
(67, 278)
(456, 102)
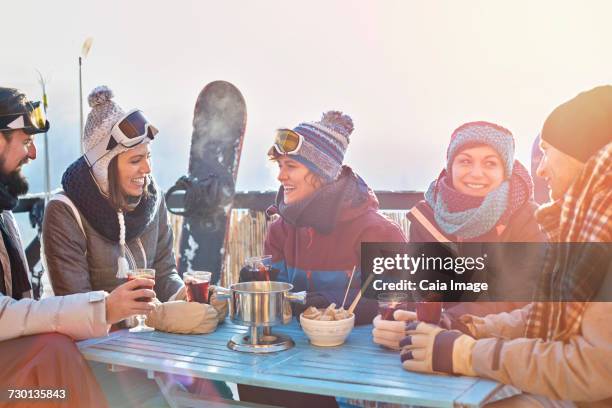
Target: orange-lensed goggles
(287, 141)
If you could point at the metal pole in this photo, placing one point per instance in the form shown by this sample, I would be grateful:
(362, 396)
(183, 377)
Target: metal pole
(81, 106)
(47, 169)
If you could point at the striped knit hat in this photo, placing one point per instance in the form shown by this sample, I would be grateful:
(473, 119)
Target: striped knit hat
(325, 143)
(482, 133)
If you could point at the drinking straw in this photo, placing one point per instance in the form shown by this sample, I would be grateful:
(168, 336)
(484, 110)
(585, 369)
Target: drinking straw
(358, 297)
(348, 287)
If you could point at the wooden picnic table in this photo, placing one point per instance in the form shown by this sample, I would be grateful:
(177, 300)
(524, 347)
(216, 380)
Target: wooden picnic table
(358, 369)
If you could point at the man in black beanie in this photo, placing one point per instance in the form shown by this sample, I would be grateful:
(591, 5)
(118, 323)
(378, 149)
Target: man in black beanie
(571, 134)
(37, 350)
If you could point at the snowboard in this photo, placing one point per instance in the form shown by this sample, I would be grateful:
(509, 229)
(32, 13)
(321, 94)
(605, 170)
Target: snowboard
(219, 122)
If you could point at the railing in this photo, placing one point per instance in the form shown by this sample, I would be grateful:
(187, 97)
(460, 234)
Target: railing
(248, 225)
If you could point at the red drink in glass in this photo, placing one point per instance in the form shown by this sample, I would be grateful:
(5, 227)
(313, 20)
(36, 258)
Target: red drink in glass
(197, 292)
(142, 275)
(429, 312)
(389, 302)
(258, 268)
(197, 284)
(135, 274)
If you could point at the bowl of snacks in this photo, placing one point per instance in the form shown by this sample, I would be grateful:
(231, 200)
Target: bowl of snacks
(327, 327)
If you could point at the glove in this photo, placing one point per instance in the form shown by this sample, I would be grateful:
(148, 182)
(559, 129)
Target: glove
(220, 305)
(183, 317)
(366, 310)
(388, 333)
(181, 294)
(315, 299)
(431, 349)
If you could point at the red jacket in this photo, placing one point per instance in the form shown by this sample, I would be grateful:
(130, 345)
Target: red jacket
(323, 263)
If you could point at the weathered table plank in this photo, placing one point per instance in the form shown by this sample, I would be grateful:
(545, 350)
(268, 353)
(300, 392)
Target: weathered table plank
(358, 369)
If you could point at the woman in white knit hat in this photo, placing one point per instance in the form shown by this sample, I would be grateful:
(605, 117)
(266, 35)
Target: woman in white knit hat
(111, 216)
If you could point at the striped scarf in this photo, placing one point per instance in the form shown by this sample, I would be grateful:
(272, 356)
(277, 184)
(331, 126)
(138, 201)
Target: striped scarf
(574, 271)
(469, 217)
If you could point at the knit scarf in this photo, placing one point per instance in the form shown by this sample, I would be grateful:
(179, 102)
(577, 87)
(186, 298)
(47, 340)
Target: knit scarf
(581, 225)
(322, 208)
(80, 186)
(20, 282)
(468, 217)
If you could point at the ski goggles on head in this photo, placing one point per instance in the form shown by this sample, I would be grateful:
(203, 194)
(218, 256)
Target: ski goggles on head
(129, 131)
(32, 121)
(287, 141)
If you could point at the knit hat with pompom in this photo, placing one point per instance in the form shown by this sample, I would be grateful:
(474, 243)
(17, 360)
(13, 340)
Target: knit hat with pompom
(324, 144)
(103, 116)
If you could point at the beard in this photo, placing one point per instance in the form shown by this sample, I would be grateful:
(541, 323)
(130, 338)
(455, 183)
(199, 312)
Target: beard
(15, 182)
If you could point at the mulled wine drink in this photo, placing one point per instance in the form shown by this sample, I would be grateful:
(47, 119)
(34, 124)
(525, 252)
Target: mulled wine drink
(138, 276)
(135, 274)
(197, 284)
(429, 312)
(258, 268)
(389, 302)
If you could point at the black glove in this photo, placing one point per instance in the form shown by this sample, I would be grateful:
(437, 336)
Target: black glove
(315, 299)
(365, 311)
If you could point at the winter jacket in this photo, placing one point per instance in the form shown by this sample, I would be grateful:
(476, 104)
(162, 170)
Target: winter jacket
(78, 316)
(505, 272)
(577, 370)
(322, 262)
(80, 262)
(562, 349)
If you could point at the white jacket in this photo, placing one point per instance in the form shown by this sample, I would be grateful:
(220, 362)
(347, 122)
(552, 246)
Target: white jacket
(79, 316)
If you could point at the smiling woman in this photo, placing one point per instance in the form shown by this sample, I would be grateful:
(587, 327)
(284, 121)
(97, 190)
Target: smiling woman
(118, 220)
(128, 177)
(477, 171)
(325, 212)
(484, 195)
(298, 182)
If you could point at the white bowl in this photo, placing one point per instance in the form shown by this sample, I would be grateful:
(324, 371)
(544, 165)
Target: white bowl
(327, 333)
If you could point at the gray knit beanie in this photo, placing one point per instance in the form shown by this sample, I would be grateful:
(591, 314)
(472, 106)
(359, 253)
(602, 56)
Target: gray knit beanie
(103, 116)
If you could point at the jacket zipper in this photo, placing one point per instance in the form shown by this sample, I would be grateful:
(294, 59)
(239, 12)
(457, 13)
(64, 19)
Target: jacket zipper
(130, 257)
(144, 254)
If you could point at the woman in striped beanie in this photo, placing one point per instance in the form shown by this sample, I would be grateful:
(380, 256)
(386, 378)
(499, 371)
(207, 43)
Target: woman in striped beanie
(325, 212)
(483, 195)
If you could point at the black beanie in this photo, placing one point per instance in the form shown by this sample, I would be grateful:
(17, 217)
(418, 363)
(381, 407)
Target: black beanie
(12, 101)
(582, 125)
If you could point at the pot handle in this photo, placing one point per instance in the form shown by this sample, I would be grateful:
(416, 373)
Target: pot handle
(298, 297)
(223, 293)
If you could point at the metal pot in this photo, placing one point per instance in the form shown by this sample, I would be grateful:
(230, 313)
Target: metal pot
(260, 303)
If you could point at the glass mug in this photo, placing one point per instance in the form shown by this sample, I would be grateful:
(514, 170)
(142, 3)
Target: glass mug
(258, 268)
(132, 274)
(389, 302)
(197, 284)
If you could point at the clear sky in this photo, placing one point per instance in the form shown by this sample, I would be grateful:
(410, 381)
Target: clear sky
(408, 72)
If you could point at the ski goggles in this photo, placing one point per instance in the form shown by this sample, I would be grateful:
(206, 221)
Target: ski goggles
(130, 131)
(287, 141)
(32, 121)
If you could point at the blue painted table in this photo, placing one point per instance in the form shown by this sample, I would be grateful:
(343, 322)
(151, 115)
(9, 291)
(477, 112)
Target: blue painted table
(358, 369)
